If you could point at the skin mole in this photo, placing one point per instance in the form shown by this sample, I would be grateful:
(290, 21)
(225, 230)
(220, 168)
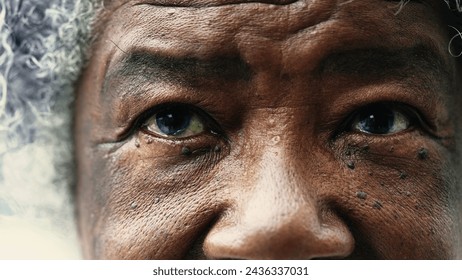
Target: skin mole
(361, 195)
(351, 164)
(423, 153)
(148, 139)
(377, 205)
(402, 175)
(186, 151)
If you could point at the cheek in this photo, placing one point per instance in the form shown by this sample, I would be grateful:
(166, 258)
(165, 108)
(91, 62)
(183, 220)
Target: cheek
(153, 194)
(399, 196)
(394, 195)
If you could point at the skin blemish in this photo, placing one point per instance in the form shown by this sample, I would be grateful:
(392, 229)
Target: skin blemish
(351, 164)
(402, 175)
(275, 140)
(217, 149)
(133, 205)
(377, 205)
(422, 154)
(186, 151)
(148, 139)
(361, 195)
(137, 143)
(156, 200)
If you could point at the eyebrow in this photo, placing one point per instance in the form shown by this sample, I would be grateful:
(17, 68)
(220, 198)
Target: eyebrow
(184, 70)
(383, 62)
(369, 63)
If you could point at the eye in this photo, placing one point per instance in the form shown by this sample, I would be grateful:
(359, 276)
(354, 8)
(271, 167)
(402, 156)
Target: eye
(381, 119)
(175, 121)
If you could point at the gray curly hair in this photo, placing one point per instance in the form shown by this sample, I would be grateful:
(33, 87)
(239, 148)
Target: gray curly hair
(43, 46)
(42, 50)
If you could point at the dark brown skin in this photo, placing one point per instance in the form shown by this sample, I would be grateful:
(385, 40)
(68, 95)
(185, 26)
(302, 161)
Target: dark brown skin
(281, 169)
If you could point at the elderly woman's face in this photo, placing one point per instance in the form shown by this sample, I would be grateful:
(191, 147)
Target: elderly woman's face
(269, 130)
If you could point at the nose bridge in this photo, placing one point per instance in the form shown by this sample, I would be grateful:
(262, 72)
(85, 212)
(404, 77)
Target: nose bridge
(277, 179)
(278, 192)
(275, 182)
(279, 199)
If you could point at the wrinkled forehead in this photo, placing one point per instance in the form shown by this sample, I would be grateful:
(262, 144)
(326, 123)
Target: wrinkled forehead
(275, 20)
(298, 33)
(279, 12)
(211, 3)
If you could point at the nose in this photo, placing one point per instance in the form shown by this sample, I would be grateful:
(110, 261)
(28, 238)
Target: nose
(277, 218)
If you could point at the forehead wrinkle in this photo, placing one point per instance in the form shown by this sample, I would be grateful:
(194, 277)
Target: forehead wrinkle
(260, 20)
(311, 17)
(202, 3)
(215, 3)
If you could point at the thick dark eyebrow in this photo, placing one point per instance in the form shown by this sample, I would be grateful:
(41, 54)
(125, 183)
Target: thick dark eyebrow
(379, 63)
(184, 70)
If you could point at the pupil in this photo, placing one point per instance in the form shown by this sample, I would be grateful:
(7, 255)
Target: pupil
(378, 119)
(173, 121)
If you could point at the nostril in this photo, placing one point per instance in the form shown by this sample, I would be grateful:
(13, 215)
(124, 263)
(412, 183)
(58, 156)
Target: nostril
(338, 242)
(295, 238)
(196, 250)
